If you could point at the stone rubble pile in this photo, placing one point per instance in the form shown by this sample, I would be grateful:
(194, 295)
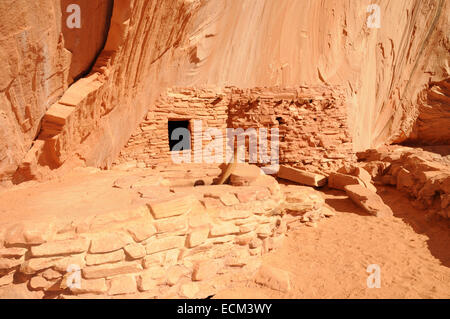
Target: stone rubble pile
(303, 205)
(352, 179)
(425, 176)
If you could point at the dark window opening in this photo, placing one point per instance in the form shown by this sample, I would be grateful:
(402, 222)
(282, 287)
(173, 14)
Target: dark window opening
(180, 138)
(280, 120)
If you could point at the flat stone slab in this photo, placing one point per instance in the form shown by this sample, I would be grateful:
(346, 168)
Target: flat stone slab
(99, 259)
(107, 270)
(14, 252)
(108, 242)
(171, 206)
(301, 177)
(339, 181)
(63, 247)
(370, 201)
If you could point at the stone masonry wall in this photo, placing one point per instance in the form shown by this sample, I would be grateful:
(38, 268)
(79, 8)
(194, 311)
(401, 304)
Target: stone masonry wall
(312, 122)
(178, 244)
(150, 142)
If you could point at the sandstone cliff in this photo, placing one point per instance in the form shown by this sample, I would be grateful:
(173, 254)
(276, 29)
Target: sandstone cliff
(394, 76)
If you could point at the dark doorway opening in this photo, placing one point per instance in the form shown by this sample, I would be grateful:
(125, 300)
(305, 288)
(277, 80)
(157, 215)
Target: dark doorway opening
(173, 125)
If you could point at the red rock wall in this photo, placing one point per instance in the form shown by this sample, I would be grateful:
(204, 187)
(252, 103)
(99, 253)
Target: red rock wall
(34, 68)
(88, 41)
(95, 117)
(39, 58)
(433, 122)
(308, 43)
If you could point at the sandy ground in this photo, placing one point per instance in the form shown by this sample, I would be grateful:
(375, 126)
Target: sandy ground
(412, 250)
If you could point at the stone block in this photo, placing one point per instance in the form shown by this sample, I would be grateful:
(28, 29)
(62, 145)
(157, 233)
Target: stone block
(146, 281)
(244, 174)
(189, 290)
(301, 199)
(156, 259)
(7, 279)
(228, 199)
(31, 234)
(197, 237)
(8, 263)
(135, 251)
(339, 181)
(91, 286)
(218, 230)
(228, 214)
(174, 205)
(122, 285)
(301, 177)
(62, 264)
(51, 274)
(246, 196)
(173, 275)
(108, 270)
(237, 258)
(166, 243)
(204, 270)
(39, 283)
(63, 247)
(370, 201)
(173, 224)
(105, 258)
(14, 252)
(108, 242)
(140, 231)
(34, 265)
(264, 231)
(211, 203)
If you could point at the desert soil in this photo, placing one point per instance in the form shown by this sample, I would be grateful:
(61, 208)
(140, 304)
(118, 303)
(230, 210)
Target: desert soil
(330, 261)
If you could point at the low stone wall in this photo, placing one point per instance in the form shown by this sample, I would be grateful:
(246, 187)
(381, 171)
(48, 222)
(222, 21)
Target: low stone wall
(176, 245)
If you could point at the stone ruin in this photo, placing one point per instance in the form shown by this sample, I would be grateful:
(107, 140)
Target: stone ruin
(312, 123)
(92, 203)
